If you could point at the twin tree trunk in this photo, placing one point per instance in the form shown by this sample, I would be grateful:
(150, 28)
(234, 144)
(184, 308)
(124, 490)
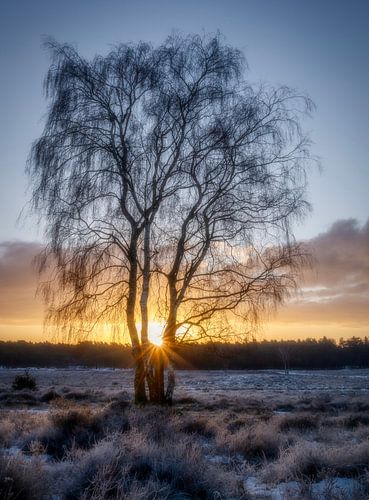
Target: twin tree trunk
(150, 361)
(150, 365)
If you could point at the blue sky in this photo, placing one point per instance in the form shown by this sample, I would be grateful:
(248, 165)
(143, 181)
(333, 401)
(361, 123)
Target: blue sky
(320, 48)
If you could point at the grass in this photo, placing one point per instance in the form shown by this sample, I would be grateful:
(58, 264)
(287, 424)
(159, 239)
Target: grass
(314, 460)
(301, 422)
(255, 442)
(20, 479)
(87, 441)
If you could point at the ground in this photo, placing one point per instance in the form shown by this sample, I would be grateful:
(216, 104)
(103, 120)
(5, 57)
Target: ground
(229, 434)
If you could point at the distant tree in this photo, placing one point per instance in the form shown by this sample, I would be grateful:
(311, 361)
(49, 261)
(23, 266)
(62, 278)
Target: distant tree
(284, 351)
(168, 185)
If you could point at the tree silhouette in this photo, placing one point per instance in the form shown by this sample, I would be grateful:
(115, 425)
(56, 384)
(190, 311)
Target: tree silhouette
(168, 184)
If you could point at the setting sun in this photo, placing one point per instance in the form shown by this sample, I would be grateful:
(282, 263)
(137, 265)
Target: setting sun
(156, 333)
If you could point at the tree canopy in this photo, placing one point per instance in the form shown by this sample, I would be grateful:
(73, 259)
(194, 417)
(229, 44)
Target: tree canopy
(169, 184)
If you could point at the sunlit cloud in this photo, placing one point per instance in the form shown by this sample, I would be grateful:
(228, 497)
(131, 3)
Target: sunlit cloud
(333, 299)
(18, 284)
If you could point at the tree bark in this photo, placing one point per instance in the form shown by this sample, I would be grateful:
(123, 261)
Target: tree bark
(159, 376)
(171, 382)
(169, 340)
(147, 349)
(139, 382)
(145, 287)
(140, 374)
(155, 374)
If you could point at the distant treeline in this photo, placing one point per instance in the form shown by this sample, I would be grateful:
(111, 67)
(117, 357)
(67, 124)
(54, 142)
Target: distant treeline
(294, 354)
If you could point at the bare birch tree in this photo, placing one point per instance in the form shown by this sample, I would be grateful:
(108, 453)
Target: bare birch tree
(168, 185)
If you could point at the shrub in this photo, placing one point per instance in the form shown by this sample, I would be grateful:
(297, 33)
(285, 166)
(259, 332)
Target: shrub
(7, 431)
(186, 400)
(67, 429)
(75, 427)
(199, 426)
(133, 466)
(355, 420)
(18, 480)
(298, 422)
(311, 460)
(18, 398)
(303, 459)
(78, 396)
(256, 442)
(25, 381)
(49, 396)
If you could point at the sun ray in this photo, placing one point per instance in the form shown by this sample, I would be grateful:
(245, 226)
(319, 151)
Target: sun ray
(156, 333)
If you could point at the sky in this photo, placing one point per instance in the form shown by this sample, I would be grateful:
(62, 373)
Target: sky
(318, 47)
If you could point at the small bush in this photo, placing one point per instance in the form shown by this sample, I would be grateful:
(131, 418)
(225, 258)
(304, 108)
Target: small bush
(355, 420)
(298, 422)
(312, 460)
(302, 460)
(78, 396)
(256, 442)
(239, 423)
(7, 431)
(186, 400)
(18, 480)
(133, 466)
(25, 381)
(18, 398)
(72, 427)
(199, 426)
(49, 396)
(67, 429)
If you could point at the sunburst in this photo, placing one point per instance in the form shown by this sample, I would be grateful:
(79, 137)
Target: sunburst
(156, 333)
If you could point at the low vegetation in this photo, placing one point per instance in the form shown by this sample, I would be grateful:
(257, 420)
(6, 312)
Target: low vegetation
(24, 381)
(90, 442)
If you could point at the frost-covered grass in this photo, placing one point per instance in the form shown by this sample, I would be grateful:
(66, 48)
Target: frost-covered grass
(227, 436)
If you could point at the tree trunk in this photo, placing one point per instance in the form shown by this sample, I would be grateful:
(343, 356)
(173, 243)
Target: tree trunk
(169, 340)
(147, 349)
(159, 376)
(170, 384)
(138, 355)
(139, 381)
(155, 375)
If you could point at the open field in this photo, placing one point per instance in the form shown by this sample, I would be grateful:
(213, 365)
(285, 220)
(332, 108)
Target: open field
(229, 435)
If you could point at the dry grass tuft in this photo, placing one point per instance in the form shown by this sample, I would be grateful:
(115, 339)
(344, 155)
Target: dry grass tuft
(312, 460)
(48, 396)
(20, 479)
(300, 422)
(260, 441)
(198, 425)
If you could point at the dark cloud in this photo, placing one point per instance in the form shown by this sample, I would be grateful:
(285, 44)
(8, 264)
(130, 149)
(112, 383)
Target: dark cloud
(341, 255)
(336, 288)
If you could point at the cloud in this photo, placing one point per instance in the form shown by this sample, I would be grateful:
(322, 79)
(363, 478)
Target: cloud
(334, 295)
(18, 284)
(336, 288)
(342, 256)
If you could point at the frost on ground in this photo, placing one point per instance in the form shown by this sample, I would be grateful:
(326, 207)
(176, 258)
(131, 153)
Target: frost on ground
(229, 435)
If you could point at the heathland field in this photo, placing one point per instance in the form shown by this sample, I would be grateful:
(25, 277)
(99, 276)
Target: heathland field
(229, 434)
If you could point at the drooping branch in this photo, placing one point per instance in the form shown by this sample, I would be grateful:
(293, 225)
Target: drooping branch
(169, 185)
